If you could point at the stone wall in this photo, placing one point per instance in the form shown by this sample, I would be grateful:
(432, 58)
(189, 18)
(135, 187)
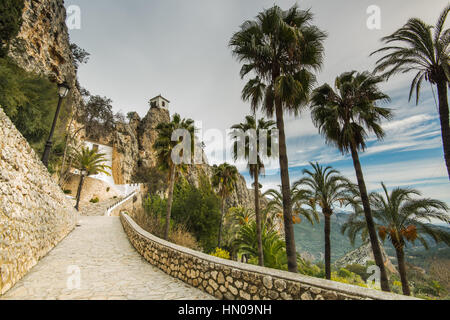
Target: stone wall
(35, 215)
(231, 280)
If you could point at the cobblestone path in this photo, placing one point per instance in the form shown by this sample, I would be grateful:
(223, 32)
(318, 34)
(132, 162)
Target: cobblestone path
(97, 262)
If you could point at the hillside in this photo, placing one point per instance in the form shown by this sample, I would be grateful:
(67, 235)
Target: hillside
(310, 242)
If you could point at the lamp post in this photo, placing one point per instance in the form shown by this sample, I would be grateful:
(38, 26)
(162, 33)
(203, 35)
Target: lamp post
(83, 174)
(63, 90)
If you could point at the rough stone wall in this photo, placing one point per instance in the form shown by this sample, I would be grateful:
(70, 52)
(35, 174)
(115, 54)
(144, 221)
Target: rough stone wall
(35, 215)
(231, 280)
(92, 188)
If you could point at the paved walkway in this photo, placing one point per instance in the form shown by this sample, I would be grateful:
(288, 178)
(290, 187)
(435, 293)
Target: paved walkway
(98, 256)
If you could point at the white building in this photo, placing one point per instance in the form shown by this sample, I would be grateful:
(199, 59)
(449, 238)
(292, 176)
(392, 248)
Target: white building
(122, 189)
(159, 102)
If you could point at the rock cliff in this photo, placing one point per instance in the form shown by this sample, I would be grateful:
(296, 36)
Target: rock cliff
(362, 255)
(134, 155)
(43, 47)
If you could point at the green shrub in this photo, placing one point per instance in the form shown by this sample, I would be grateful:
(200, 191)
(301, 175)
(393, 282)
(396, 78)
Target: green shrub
(344, 273)
(11, 21)
(94, 200)
(221, 253)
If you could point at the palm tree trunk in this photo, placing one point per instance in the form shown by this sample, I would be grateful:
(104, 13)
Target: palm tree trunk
(402, 269)
(327, 216)
(169, 201)
(286, 192)
(369, 220)
(445, 121)
(258, 219)
(219, 240)
(80, 186)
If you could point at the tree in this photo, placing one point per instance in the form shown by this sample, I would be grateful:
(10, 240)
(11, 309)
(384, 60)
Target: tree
(301, 198)
(345, 116)
(224, 179)
(328, 188)
(273, 246)
(402, 218)
(164, 146)
(89, 161)
(281, 49)
(10, 22)
(260, 131)
(415, 47)
(80, 56)
(97, 116)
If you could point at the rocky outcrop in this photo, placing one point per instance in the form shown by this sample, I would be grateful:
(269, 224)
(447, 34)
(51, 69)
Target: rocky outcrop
(362, 255)
(43, 47)
(134, 155)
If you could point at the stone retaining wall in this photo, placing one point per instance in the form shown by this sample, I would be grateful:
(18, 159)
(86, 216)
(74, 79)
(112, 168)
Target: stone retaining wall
(231, 280)
(35, 215)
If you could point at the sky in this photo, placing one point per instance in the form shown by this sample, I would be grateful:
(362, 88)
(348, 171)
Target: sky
(142, 48)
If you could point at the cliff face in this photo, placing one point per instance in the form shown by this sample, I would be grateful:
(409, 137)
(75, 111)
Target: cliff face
(43, 46)
(362, 255)
(134, 155)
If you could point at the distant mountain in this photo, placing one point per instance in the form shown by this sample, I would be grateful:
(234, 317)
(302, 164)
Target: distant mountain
(310, 243)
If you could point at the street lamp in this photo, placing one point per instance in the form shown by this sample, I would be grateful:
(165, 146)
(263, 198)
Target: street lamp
(63, 90)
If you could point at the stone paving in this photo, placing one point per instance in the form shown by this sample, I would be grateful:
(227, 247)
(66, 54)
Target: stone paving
(97, 262)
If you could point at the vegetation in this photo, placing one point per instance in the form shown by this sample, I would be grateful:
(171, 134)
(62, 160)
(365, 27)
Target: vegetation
(402, 218)
(90, 162)
(221, 253)
(424, 49)
(224, 179)
(344, 117)
(253, 153)
(280, 49)
(30, 102)
(164, 147)
(328, 188)
(300, 199)
(10, 22)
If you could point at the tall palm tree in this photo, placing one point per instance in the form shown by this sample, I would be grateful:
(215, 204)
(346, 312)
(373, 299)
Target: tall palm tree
(280, 49)
(402, 218)
(164, 147)
(329, 188)
(424, 49)
(253, 153)
(88, 162)
(345, 116)
(224, 179)
(301, 199)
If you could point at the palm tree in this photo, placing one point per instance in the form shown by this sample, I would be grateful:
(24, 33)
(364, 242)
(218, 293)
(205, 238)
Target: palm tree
(164, 147)
(402, 218)
(224, 179)
(344, 117)
(301, 199)
(252, 152)
(328, 188)
(281, 49)
(273, 246)
(88, 162)
(415, 47)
